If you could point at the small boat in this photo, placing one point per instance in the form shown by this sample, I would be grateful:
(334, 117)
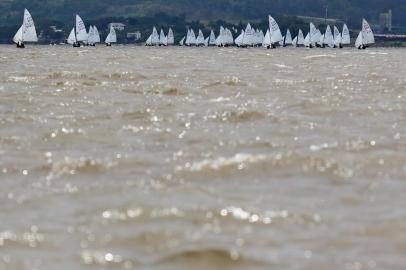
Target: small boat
(345, 36)
(238, 40)
(294, 42)
(288, 38)
(328, 38)
(229, 37)
(306, 41)
(192, 38)
(300, 38)
(27, 31)
(337, 38)
(163, 40)
(275, 32)
(266, 43)
(111, 37)
(80, 32)
(247, 39)
(206, 42)
(212, 39)
(182, 42)
(365, 37)
(314, 35)
(200, 39)
(170, 37)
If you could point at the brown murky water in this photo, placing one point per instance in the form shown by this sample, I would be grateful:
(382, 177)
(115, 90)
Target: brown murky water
(181, 158)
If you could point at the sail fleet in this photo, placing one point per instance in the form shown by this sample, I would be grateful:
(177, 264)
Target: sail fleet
(248, 37)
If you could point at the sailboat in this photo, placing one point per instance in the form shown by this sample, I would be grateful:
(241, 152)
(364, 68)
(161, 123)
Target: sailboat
(229, 37)
(288, 38)
(80, 32)
(90, 36)
(314, 35)
(266, 43)
(328, 37)
(93, 36)
(170, 37)
(300, 38)
(182, 42)
(337, 38)
(345, 36)
(247, 39)
(27, 32)
(212, 39)
(294, 42)
(163, 40)
(275, 32)
(192, 38)
(307, 42)
(238, 40)
(72, 37)
(206, 42)
(200, 39)
(111, 37)
(365, 37)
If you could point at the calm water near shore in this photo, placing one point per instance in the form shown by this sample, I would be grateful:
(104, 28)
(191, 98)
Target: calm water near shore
(202, 158)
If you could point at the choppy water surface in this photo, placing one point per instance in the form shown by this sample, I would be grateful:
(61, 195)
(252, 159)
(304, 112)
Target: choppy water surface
(180, 158)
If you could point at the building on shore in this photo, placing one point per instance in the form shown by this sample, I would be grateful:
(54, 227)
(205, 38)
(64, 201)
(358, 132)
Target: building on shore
(134, 36)
(385, 21)
(116, 26)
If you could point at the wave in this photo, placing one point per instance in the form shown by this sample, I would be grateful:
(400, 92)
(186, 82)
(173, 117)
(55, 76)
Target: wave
(69, 166)
(208, 256)
(238, 116)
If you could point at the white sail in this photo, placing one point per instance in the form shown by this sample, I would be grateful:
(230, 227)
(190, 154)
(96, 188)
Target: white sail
(367, 34)
(220, 37)
(81, 34)
(358, 42)
(212, 40)
(96, 35)
(274, 30)
(306, 41)
(294, 41)
(163, 40)
(345, 37)
(238, 40)
(206, 42)
(29, 32)
(230, 38)
(72, 37)
(187, 41)
(313, 35)
(149, 41)
(171, 38)
(90, 36)
(300, 38)
(200, 38)
(111, 37)
(18, 37)
(267, 39)
(328, 37)
(248, 36)
(321, 40)
(182, 42)
(337, 37)
(288, 38)
(192, 40)
(262, 36)
(155, 37)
